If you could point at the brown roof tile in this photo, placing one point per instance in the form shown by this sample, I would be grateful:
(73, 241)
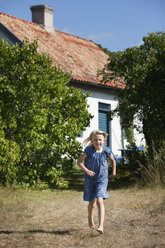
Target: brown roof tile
(74, 54)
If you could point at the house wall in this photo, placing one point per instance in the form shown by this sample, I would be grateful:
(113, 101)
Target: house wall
(107, 97)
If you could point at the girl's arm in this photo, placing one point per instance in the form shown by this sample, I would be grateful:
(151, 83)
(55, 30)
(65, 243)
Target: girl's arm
(113, 161)
(82, 166)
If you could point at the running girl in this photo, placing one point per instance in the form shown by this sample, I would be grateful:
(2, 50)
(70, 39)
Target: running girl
(96, 175)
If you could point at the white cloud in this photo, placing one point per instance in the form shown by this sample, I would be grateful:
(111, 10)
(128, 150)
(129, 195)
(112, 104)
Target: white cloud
(96, 37)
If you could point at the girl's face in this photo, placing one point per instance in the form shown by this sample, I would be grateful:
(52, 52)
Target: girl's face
(98, 141)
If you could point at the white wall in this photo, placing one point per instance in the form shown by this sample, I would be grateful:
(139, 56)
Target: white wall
(108, 97)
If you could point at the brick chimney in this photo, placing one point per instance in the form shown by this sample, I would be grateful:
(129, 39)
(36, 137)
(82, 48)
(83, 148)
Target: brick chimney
(43, 15)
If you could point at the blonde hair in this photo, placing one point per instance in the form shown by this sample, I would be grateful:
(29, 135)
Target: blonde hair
(95, 132)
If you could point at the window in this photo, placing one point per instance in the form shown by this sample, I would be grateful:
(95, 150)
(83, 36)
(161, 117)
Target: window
(104, 123)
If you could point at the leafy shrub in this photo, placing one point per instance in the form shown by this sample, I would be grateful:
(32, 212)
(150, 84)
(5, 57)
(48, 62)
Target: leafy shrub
(9, 157)
(42, 117)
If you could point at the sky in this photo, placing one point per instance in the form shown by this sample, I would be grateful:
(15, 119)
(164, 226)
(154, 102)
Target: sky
(115, 24)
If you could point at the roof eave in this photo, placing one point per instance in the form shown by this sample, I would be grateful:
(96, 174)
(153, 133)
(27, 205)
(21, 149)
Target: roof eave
(83, 84)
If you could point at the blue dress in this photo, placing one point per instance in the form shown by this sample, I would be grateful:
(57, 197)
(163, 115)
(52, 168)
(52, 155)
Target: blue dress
(96, 186)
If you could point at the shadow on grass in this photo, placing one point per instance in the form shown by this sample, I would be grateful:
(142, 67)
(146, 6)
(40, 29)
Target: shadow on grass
(65, 232)
(122, 180)
(76, 180)
(120, 183)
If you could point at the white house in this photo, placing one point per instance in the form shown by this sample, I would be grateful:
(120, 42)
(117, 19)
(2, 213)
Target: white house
(83, 58)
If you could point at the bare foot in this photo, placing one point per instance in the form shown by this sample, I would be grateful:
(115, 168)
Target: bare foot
(90, 222)
(100, 230)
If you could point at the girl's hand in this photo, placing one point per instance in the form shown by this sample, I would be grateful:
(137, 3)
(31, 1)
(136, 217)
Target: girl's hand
(112, 176)
(90, 173)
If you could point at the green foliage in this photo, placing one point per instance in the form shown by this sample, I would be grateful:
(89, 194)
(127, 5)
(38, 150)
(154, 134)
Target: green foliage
(41, 117)
(130, 136)
(9, 157)
(143, 71)
(105, 50)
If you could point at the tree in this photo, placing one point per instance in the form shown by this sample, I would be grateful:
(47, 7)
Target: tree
(40, 117)
(142, 69)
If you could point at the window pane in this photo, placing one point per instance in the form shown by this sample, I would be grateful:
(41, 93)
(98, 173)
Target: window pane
(104, 106)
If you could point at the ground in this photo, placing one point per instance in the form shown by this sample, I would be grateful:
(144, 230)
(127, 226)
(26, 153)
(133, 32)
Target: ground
(135, 218)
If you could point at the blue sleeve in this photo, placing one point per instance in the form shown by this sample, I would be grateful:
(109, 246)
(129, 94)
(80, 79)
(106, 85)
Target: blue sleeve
(88, 150)
(108, 152)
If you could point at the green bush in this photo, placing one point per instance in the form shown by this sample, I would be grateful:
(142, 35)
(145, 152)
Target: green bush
(9, 157)
(42, 117)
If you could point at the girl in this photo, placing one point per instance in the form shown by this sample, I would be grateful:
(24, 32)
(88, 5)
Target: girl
(96, 174)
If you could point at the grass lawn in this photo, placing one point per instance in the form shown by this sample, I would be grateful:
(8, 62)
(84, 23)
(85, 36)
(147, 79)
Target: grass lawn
(135, 218)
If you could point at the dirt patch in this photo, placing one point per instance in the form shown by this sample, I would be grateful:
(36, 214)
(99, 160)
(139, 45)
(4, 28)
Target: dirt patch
(134, 218)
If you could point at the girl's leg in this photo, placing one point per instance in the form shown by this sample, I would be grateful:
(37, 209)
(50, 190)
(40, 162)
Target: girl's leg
(90, 214)
(101, 214)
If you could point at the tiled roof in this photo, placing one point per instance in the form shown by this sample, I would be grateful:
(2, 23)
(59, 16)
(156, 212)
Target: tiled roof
(82, 57)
